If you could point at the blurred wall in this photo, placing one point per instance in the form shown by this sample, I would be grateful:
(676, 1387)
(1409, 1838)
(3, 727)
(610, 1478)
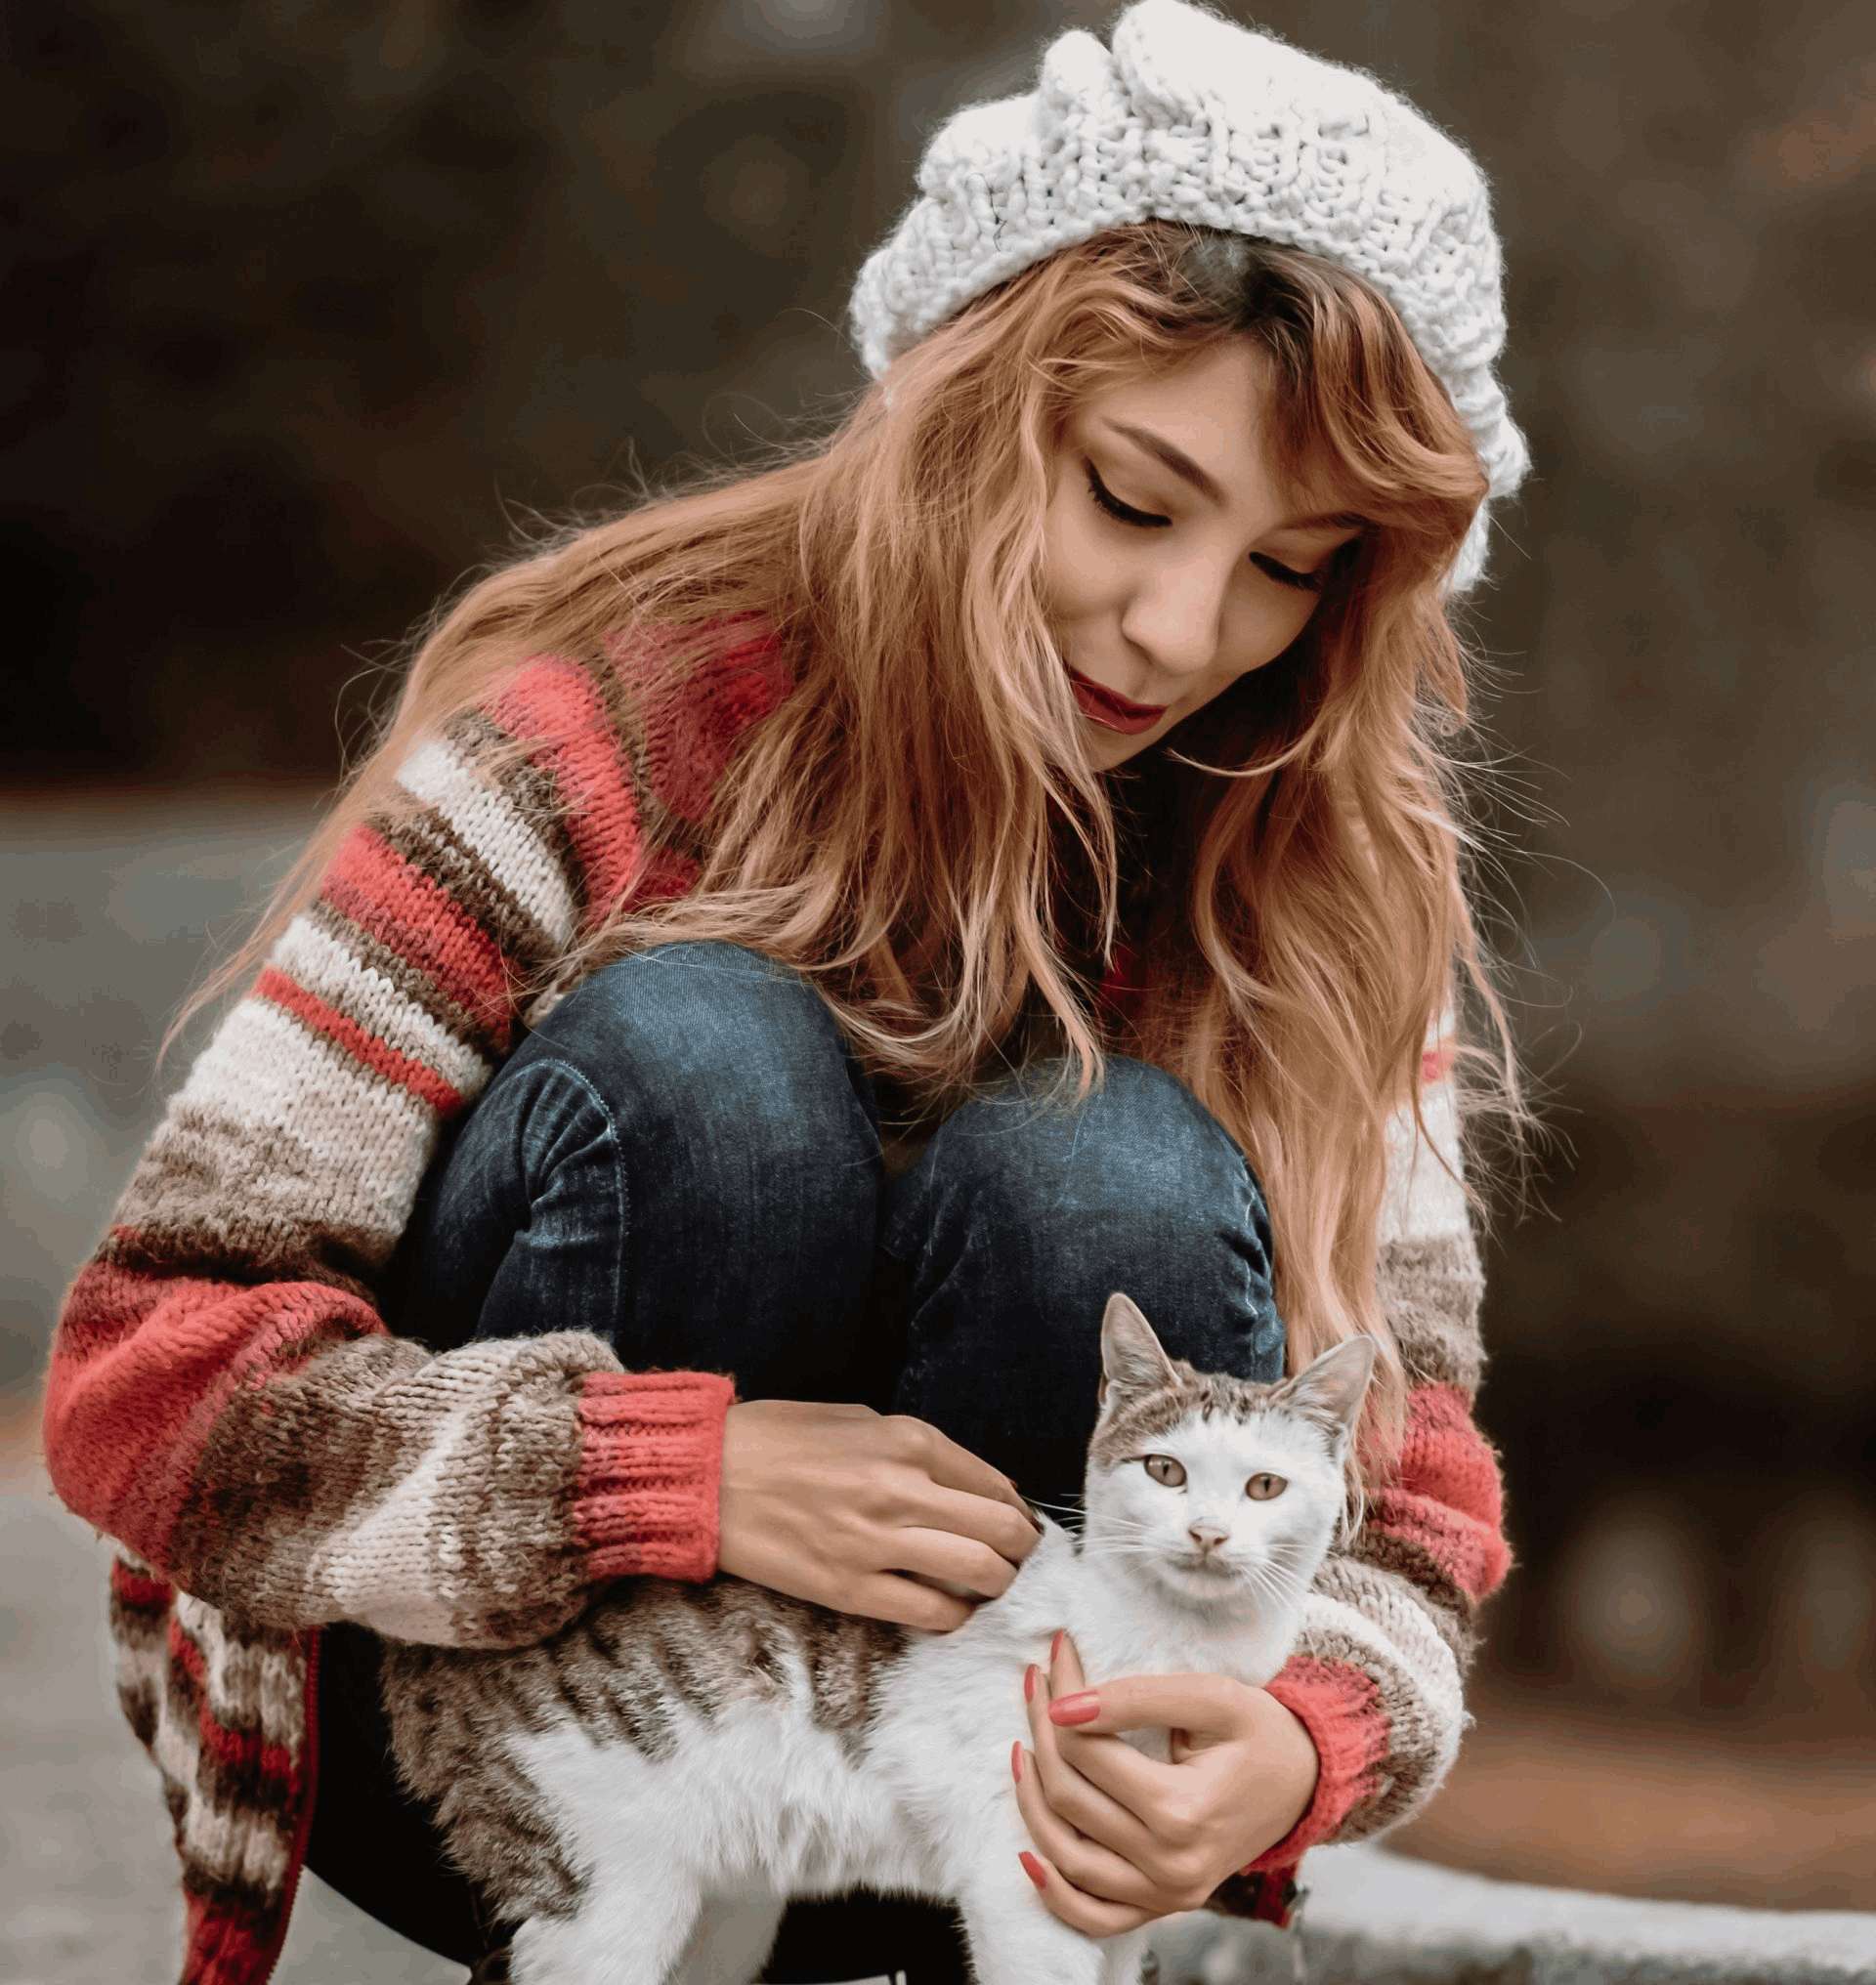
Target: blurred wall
(310, 310)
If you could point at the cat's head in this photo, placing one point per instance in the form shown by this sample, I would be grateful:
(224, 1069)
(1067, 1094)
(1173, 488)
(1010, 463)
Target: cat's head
(1221, 1493)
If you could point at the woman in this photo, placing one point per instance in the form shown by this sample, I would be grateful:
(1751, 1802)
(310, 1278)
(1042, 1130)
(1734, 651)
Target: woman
(796, 948)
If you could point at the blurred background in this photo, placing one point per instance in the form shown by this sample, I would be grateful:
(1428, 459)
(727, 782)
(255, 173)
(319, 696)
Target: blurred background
(312, 310)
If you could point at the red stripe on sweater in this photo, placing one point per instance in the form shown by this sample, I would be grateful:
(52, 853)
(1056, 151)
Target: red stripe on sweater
(377, 1055)
(220, 1948)
(140, 1371)
(694, 725)
(135, 1588)
(552, 698)
(413, 913)
(1448, 1497)
(239, 1751)
(1339, 1706)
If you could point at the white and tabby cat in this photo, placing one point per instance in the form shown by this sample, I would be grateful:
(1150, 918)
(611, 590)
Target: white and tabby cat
(646, 1791)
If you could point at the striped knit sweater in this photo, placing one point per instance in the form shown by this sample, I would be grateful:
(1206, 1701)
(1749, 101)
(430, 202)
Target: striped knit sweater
(225, 1402)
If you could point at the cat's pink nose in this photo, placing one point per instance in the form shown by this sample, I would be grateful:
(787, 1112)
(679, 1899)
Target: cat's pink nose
(1205, 1535)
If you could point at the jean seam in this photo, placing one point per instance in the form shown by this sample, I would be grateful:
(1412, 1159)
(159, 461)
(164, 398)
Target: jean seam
(621, 1184)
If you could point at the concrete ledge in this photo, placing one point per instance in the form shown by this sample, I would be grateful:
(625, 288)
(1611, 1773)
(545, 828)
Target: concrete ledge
(1376, 1918)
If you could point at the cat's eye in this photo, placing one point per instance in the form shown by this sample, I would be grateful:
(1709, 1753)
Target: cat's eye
(1262, 1487)
(1166, 1471)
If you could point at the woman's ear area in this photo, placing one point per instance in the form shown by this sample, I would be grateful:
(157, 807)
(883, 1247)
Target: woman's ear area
(1132, 1358)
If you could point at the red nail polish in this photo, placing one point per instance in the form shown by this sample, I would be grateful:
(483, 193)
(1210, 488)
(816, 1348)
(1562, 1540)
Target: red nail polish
(1029, 1683)
(1032, 1868)
(1016, 1761)
(1079, 1709)
(1056, 1646)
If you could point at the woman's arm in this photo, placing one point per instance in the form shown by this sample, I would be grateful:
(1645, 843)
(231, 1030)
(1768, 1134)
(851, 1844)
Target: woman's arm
(1390, 1628)
(222, 1396)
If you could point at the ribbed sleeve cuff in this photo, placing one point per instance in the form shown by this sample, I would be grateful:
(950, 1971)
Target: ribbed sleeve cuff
(650, 1466)
(1341, 1708)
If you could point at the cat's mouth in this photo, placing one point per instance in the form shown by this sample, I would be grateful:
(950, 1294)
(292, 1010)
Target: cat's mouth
(1207, 1567)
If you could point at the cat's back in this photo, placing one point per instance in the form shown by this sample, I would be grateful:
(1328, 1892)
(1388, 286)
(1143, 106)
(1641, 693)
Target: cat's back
(648, 1657)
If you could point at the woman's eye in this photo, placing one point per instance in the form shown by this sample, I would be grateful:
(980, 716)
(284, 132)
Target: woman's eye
(1165, 1470)
(1262, 1487)
(1114, 507)
(1285, 576)
(1308, 583)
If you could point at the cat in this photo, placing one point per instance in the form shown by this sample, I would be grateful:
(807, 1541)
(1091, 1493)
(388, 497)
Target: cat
(644, 1792)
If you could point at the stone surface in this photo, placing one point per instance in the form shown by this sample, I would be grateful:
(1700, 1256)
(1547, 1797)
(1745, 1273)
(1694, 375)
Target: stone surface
(1379, 1918)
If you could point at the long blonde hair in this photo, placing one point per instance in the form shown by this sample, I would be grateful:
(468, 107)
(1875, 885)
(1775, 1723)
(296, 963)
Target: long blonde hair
(895, 828)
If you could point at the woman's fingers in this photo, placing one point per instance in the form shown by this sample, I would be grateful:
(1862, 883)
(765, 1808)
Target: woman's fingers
(959, 1560)
(1083, 1805)
(989, 1521)
(957, 1467)
(1089, 1914)
(905, 1602)
(1089, 1865)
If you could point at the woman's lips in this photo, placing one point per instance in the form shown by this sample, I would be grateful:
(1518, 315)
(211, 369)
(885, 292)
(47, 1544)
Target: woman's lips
(1115, 712)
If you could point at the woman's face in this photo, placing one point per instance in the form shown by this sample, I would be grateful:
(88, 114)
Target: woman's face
(1174, 609)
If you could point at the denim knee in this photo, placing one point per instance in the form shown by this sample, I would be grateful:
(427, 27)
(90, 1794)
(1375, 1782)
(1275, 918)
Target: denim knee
(682, 1155)
(707, 1029)
(1031, 1207)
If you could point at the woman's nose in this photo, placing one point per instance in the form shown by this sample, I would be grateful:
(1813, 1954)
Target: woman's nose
(1177, 625)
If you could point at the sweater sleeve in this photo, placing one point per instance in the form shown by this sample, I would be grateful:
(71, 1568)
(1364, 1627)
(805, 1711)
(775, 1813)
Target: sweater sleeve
(222, 1396)
(1389, 1628)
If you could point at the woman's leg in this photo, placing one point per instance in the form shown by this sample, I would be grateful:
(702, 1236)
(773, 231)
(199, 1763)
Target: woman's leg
(683, 1157)
(1022, 1216)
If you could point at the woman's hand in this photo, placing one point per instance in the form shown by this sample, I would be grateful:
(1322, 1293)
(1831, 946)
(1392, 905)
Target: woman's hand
(1123, 1839)
(853, 1509)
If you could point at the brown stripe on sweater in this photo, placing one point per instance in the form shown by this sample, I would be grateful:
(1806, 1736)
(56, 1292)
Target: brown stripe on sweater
(530, 790)
(410, 984)
(660, 828)
(433, 847)
(220, 1200)
(210, 1255)
(247, 1905)
(1387, 1551)
(137, 1624)
(520, 1456)
(137, 1697)
(1443, 1602)
(255, 1453)
(1432, 1290)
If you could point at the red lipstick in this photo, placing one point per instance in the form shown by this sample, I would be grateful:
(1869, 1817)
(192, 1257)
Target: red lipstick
(1116, 712)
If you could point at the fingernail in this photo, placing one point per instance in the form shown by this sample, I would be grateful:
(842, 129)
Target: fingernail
(1079, 1709)
(1016, 1761)
(1055, 1647)
(1032, 1868)
(1029, 1683)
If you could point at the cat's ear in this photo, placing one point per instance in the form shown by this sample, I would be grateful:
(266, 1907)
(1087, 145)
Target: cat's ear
(1329, 1388)
(1132, 1358)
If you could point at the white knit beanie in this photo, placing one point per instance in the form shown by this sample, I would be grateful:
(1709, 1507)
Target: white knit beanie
(1192, 118)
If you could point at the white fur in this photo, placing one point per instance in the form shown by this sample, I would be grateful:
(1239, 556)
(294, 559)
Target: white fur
(760, 1807)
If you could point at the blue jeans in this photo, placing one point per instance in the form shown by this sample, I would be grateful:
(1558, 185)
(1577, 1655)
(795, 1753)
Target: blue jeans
(685, 1159)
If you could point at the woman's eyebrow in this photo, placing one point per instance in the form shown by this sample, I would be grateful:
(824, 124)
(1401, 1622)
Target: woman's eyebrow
(1187, 470)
